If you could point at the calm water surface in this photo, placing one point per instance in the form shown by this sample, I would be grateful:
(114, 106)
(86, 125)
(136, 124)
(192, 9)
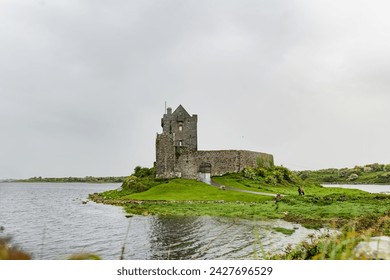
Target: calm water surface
(50, 221)
(367, 188)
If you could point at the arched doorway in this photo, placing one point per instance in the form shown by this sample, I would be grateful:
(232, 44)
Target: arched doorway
(205, 172)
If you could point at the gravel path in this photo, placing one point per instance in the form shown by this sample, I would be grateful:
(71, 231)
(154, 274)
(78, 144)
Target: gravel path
(215, 184)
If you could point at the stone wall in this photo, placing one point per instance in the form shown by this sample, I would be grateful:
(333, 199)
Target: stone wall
(165, 156)
(222, 161)
(256, 159)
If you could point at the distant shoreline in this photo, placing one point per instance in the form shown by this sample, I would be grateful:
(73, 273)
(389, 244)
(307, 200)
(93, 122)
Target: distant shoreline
(88, 179)
(354, 184)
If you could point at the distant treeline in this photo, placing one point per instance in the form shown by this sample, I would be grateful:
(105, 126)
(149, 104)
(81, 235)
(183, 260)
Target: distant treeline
(374, 173)
(87, 179)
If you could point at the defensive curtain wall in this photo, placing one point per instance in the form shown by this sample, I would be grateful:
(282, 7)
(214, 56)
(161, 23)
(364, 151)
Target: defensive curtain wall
(217, 163)
(177, 154)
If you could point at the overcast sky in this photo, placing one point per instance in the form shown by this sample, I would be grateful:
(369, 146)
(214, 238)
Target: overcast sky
(83, 82)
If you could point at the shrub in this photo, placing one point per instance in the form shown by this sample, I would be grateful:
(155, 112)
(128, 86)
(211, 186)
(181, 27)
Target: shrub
(386, 167)
(375, 166)
(261, 172)
(271, 180)
(249, 173)
(330, 179)
(367, 169)
(343, 172)
(304, 174)
(352, 177)
(385, 175)
(133, 184)
(278, 175)
(355, 170)
(142, 172)
(284, 174)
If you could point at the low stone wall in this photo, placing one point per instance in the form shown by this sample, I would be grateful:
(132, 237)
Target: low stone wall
(255, 159)
(221, 161)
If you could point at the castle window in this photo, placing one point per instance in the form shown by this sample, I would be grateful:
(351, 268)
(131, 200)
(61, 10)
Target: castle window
(180, 126)
(181, 143)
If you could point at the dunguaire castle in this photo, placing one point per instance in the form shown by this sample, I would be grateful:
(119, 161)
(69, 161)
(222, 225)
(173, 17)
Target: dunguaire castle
(177, 154)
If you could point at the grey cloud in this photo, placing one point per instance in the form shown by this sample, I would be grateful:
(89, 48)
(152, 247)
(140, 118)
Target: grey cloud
(83, 83)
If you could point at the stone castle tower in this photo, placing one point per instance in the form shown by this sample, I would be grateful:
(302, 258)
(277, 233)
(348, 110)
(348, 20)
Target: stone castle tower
(179, 133)
(177, 152)
(182, 127)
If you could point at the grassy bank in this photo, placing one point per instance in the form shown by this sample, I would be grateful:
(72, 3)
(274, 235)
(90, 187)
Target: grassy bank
(183, 197)
(374, 173)
(317, 208)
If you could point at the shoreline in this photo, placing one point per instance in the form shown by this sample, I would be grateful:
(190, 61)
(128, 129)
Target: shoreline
(242, 210)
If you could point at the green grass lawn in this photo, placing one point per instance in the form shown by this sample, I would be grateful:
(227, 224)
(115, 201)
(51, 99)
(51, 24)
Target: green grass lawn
(192, 190)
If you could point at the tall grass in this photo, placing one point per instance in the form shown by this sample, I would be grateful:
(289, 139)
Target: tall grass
(9, 252)
(325, 247)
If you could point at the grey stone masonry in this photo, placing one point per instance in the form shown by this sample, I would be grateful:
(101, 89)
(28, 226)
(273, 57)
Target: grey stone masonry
(182, 127)
(177, 154)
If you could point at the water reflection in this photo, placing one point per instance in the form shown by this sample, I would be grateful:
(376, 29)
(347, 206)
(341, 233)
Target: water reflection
(175, 237)
(219, 238)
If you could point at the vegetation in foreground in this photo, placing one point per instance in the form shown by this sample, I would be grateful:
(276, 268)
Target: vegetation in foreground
(340, 246)
(374, 173)
(8, 252)
(12, 252)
